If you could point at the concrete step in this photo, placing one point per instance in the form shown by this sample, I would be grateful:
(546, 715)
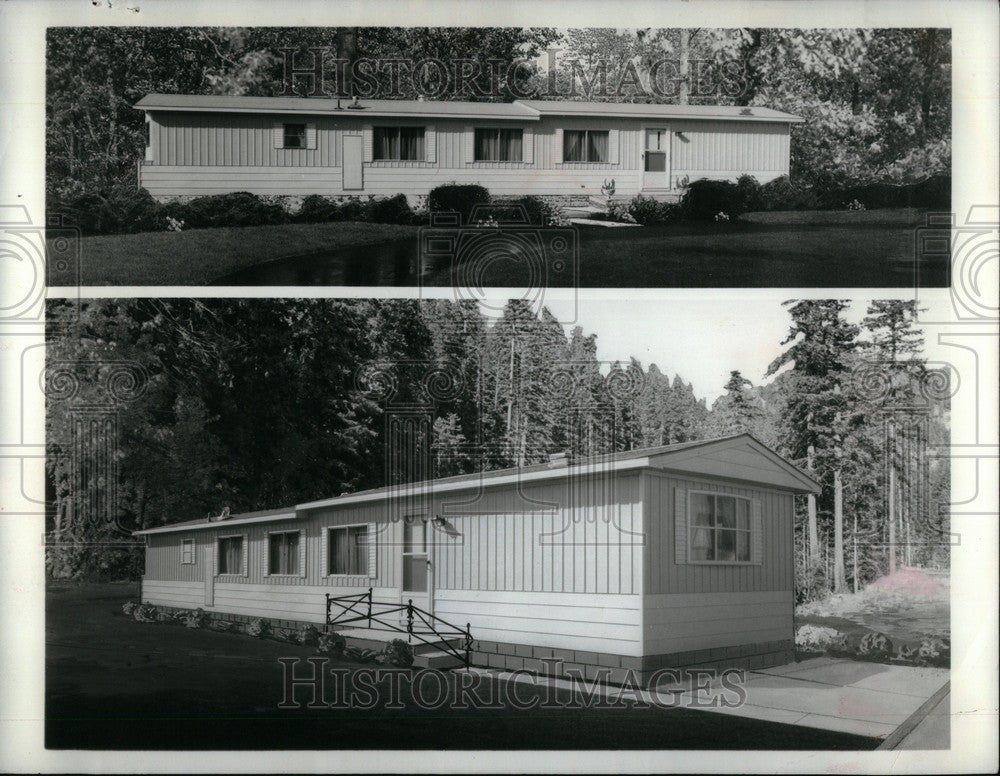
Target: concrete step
(440, 660)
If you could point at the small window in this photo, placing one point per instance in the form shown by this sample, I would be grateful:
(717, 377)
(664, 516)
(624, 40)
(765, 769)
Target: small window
(231, 555)
(349, 550)
(295, 136)
(187, 551)
(586, 145)
(283, 553)
(499, 145)
(720, 528)
(398, 144)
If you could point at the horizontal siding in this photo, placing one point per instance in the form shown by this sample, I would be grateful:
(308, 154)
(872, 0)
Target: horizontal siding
(204, 153)
(680, 623)
(665, 575)
(183, 595)
(597, 623)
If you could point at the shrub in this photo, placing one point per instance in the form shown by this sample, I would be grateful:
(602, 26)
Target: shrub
(750, 191)
(554, 215)
(258, 627)
(331, 644)
(704, 199)
(648, 211)
(196, 619)
(128, 607)
(118, 209)
(317, 209)
(454, 198)
(529, 206)
(619, 211)
(875, 646)
(144, 613)
(238, 209)
(390, 210)
(780, 194)
(307, 636)
(397, 653)
(934, 652)
(223, 626)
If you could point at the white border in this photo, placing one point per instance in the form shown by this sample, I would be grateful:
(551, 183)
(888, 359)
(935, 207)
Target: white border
(974, 571)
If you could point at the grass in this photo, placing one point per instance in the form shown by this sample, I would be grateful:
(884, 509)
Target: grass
(198, 256)
(113, 683)
(823, 249)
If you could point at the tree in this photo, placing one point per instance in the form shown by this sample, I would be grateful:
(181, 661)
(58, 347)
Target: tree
(738, 411)
(821, 345)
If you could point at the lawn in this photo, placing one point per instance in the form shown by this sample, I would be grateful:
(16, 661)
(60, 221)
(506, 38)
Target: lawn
(876, 248)
(198, 256)
(113, 683)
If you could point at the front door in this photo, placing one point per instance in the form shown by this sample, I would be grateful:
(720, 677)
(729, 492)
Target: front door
(417, 577)
(656, 170)
(352, 163)
(209, 555)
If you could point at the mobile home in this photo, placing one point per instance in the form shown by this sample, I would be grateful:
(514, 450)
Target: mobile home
(665, 557)
(206, 144)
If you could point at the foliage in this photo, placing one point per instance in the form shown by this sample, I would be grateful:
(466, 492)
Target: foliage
(237, 209)
(648, 211)
(144, 613)
(308, 636)
(704, 199)
(390, 210)
(128, 608)
(258, 627)
(619, 211)
(455, 198)
(781, 194)
(397, 653)
(530, 207)
(117, 208)
(331, 643)
(196, 619)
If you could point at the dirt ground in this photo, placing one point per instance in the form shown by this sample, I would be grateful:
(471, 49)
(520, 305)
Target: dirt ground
(113, 683)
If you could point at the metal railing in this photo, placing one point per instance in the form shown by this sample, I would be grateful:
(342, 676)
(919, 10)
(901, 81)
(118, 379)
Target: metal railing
(430, 629)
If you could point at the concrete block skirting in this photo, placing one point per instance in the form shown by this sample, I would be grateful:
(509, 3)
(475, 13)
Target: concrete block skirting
(747, 657)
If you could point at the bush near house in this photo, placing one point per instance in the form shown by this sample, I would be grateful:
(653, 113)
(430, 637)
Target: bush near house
(238, 209)
(705, 199)
(648, 211)
(116, 210)
(461, 199)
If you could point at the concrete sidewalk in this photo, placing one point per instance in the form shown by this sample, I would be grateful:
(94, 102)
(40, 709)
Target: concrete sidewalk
(835, 694)
(867, 699)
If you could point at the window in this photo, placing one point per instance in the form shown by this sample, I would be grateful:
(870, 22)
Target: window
(398, 144)
(295, 136)
(231, 555)
(187, 551)
(283, 553)
(147, 132)
(499, 145)
(586, 145)
(720, 528)
(348, 550)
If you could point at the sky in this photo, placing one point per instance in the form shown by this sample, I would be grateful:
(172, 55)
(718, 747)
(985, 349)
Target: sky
(705, 335)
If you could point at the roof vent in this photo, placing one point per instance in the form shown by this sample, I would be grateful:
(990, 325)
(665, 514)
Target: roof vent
(558, 460)
(223, 515)
(354, 104)
(746, 112)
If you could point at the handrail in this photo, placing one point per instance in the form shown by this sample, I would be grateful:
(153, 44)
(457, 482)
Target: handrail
(444, 635)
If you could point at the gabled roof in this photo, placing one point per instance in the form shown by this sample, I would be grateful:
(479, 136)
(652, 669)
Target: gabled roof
(325, 106)
(655, 110)
(738, 457)
(519, 110)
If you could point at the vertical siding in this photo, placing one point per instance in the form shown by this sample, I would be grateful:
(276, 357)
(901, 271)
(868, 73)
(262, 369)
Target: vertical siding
(714, 149)
(664, 575)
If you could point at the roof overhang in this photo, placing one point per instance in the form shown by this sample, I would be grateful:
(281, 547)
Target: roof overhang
(290, 515)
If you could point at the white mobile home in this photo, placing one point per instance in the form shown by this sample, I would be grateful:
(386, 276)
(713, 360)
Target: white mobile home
(665, 557)
(205, 144)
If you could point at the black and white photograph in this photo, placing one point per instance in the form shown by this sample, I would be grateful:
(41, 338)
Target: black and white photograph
(451, 386)
(591, 157)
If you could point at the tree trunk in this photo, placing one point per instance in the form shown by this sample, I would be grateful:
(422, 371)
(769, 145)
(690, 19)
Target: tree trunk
(855, 543)
(839, 580)
(684, 87)
(813, 524)
(891, 517)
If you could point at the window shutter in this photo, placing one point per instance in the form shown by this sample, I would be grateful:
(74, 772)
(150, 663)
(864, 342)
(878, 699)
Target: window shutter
(558, 150)
(680, 526)
(613, 146)
(528, 146)
(368, 141)
(469, 145)
(430, 144)
(278, 135)
(372, 554)
(324, 552)
(215, 556)
(149, 133)
(756, 533)
(311, 136)
(302, 552)
(246, 556)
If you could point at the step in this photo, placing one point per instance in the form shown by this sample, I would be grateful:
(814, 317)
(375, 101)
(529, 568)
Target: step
(440, 660)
